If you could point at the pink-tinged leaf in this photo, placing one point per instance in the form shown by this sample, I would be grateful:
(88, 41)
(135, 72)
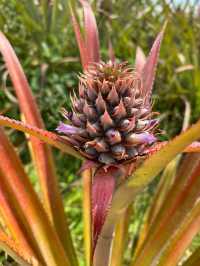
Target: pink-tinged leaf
(16, 251)
(80, 41)
(88, 165)
(42, 155)
(21, 86)
(44, 135)
(102, 191)
(149, 69)
(140, 60)
(111, 52)
(91, 32)
(102, 250)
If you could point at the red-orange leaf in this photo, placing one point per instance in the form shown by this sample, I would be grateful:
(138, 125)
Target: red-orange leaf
(42, 155)
(91, 33)
(44, 135)
(30, 208)
(10, 214)
(80, 41)
(16, 251)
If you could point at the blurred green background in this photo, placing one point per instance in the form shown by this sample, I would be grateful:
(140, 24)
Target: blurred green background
(42, 36)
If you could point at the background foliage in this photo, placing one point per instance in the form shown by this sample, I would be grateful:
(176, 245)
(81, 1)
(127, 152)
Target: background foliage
(41, 33)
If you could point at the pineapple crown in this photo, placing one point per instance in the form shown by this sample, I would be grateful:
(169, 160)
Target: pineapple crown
(111, 121)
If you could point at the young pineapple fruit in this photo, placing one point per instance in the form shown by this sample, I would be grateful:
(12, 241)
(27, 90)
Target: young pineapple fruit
(111, 119)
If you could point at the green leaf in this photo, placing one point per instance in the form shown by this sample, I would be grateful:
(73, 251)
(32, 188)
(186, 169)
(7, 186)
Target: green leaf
(54, 15)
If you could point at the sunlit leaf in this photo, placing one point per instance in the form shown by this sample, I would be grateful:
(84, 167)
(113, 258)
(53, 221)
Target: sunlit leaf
(120, 238)
(10, 214)
(16, 252)
(42, 155)
(182, 238)
(180, 200)
(44, 135)
(35, 218)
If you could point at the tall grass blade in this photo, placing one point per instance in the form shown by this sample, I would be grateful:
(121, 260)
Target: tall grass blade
(54, 15)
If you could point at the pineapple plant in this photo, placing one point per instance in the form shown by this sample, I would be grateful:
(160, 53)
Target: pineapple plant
(113, 129)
